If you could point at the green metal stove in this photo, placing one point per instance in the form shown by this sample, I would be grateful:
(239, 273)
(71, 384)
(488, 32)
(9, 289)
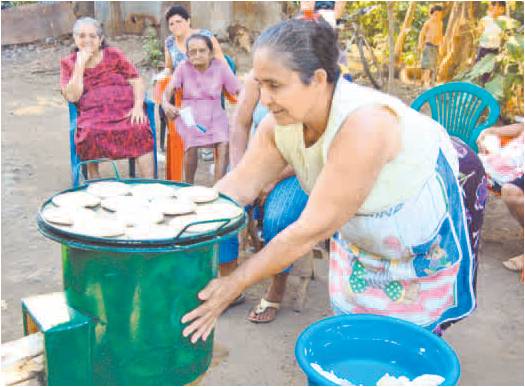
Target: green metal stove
(118, 320)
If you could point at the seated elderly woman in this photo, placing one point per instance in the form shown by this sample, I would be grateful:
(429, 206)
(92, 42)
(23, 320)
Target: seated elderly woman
(383, 182)
(109, 94)
(202, 79)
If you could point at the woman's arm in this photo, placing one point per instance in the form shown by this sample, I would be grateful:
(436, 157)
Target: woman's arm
(369, 139)
(170, 109)
(339, 9)
(137, 112)
(168, 64)
(261, 164)
(218, 54)
(513, 130)
(73, 90)
(242, 119)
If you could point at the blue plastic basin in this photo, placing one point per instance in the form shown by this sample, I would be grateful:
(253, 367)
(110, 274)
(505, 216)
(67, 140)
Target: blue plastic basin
(362, 348)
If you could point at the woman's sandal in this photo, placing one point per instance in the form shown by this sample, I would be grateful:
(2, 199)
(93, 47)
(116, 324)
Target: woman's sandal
(261, 308)
(514, 264)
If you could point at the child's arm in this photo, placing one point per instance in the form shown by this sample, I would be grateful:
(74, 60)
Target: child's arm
(422, 36)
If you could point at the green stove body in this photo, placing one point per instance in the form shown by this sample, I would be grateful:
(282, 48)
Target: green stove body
(124, 300)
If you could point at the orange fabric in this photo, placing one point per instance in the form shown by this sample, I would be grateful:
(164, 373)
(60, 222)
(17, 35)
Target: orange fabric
(175, 147)
(230, 97)
(159, 88)
(504, 140)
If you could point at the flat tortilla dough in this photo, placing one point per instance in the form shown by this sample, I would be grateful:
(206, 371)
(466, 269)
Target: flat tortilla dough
(106, 189)
(76, 199)
(58, 215)
(99, 226)
(152, 231)
(173, 206)
(140, 216)
(123, 203)
(220, 211)
(152, 191)
(198, 193)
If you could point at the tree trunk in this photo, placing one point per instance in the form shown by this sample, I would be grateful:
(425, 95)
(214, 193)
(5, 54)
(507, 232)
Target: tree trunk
(459, 42)
(391, 32)
(444, 63)
(405, 29)
(447, 7)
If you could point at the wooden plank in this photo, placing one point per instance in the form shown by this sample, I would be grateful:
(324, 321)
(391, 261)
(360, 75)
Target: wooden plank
(33, 22)
(23, 361)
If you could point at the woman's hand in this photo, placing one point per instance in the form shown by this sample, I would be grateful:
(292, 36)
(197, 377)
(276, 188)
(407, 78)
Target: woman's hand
(216, 296)
(84, 55)
(171, 111)
(137, 115)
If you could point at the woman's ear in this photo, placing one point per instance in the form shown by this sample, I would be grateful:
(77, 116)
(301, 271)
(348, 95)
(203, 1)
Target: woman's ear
(320, 77)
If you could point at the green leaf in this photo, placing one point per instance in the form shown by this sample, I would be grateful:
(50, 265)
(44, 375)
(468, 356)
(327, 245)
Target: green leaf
(497, 87)
(506, 23)
(485, 65)
(515, 48)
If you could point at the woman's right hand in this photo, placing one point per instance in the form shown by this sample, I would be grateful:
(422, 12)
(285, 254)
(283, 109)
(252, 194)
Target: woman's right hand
(216, 297)
(83, 56)
(171, 111)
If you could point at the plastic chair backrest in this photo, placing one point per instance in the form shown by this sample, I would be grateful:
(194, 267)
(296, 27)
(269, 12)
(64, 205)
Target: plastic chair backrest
(229, 96)
(75, 160)
(458, 107)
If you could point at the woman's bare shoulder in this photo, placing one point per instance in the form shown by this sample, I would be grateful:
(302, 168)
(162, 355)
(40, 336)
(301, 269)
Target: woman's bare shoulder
(375, 126)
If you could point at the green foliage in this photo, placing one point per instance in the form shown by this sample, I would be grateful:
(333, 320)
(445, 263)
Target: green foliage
(375, 25)
(11, 4)
(505, 69)
(152, 48)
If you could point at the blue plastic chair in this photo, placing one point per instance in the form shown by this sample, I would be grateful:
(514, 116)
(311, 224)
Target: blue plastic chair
(75, 160)
(458, 107)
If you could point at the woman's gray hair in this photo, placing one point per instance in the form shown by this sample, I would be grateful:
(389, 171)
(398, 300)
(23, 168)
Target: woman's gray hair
(89, 21)
(304, 46)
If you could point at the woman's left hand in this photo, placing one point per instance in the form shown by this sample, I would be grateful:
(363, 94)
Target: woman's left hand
(137, 115)
(216, 296)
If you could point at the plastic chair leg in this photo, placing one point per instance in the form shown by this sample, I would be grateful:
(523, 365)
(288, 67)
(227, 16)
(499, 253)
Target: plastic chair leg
(162, 129)
(84, 171)
(131, 162)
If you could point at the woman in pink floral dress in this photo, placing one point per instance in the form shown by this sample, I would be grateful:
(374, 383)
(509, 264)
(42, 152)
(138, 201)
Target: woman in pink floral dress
(109, 94)
(202, 79)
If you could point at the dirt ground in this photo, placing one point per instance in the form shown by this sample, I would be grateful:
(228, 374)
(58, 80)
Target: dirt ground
(35, 165)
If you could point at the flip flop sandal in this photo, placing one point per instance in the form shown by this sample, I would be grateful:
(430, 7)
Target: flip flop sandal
(261, 308)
